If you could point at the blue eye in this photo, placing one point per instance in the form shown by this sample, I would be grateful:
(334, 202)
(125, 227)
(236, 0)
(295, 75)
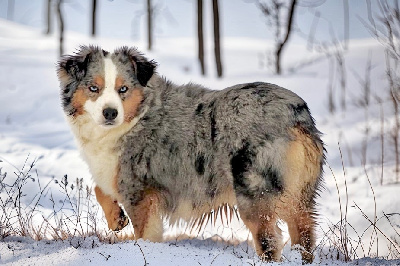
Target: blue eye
(93, 88)
(123, 89)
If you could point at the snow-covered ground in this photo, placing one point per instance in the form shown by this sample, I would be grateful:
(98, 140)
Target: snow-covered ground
(33, 129)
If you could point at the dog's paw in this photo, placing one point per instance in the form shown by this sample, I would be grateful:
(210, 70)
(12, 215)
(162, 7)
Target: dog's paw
(112, 237)
(307, 257)
(121, 221)
(117, 219)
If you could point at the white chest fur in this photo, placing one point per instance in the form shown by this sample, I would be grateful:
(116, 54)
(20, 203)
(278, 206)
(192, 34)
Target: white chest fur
(101, 151)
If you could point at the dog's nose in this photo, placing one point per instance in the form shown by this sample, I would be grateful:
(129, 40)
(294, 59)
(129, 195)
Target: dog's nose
(110, 113)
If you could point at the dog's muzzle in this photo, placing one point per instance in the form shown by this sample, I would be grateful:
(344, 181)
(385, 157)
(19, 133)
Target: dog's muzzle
(110, 114)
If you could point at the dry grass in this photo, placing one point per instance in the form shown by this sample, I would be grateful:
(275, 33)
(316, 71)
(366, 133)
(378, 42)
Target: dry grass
(75, 213)
(346, 241)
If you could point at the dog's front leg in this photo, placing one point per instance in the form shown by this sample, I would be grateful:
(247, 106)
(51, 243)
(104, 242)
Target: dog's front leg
(115, 216)
(145, 214)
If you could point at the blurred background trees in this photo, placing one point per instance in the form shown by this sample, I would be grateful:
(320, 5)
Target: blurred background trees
(149, 25)
(282, 19)
(217, 39)
(60, 17)
(279, 16)
(94, 13)
(48, 17)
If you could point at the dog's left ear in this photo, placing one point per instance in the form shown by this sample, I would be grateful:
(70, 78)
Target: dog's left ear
(144, 68)
(74, 67)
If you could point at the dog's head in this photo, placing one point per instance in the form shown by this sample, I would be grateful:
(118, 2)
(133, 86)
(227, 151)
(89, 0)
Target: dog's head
(108, 87)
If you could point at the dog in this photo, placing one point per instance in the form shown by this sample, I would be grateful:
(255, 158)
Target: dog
(186, 152)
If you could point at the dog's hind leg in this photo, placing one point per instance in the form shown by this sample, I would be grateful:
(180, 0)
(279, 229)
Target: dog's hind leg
(146, 217)
(115, 216)
(267, 236)
(301, 225)
(303, 160)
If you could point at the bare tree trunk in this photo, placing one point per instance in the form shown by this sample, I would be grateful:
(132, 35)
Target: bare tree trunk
(391, 75)
(217, 44)
(149, 25)
(331, 102)
(94, 6)
(200, 35)
(61, 25)
(10, 9)
(346, 23)
(282, 44)
(341, 68)
(382, 137)
(48, 18)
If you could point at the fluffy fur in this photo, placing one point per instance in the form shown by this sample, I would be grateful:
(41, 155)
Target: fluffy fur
(163, 150)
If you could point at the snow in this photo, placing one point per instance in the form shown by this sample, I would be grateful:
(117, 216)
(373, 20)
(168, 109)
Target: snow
(33, 129)
(197, 252)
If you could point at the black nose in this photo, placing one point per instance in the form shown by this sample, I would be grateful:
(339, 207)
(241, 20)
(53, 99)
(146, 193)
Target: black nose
(110, 113)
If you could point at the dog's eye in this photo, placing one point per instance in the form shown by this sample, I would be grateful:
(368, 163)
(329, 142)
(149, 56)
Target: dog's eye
(123, 89)
(93, 88)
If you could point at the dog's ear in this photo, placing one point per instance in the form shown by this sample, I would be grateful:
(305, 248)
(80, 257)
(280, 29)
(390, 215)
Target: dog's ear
(75, 66)
(143, 68)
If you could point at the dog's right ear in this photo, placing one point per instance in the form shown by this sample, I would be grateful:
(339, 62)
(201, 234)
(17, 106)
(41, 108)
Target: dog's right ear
(141, 66)
(75, 66)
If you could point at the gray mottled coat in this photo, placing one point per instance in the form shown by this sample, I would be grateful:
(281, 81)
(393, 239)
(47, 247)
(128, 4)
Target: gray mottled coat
(187, 151)
(193, 142)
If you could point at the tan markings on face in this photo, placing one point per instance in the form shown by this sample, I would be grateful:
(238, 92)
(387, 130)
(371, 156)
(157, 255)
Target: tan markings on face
(99, 81)
(78, 101)
(131, 104)
(118, 83)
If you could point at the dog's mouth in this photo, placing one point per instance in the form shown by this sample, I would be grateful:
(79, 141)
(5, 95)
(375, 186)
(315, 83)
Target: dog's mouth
(109, 123)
